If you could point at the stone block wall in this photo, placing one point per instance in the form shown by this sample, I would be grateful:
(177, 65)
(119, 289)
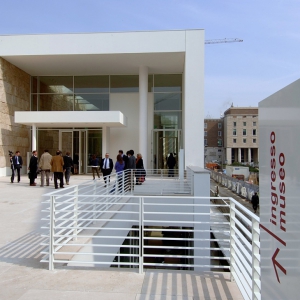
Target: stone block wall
(14, 96)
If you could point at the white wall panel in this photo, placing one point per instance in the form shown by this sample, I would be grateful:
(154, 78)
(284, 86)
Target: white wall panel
(279, 124)
(125, 138)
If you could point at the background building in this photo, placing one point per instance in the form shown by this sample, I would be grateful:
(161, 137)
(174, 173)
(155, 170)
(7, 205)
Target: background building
(241, 135)
(213, 140)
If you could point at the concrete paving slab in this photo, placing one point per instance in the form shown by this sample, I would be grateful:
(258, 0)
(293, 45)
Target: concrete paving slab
(24, 277)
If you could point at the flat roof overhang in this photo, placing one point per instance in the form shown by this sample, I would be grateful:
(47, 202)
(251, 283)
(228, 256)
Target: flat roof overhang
(96, 53)
(67, 119)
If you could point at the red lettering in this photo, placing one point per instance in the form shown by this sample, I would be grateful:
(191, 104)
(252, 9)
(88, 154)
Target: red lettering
(282, 205)
(282, 220)
(274, 199)
(281, 173)
(282, 187)
(273, 150)
(273, 163)
(273, 187)
(272, 137)
(273, 215)
(273, 176)
(281, 159)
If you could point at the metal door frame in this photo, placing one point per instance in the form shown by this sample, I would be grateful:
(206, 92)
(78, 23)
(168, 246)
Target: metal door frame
(179, 132)
(82, 156)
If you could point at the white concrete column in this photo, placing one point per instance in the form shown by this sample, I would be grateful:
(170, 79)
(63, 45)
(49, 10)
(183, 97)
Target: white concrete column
(33, 140)
(193, 99)
(228, 156)
(143, 115)
(249, 155)
(239, 155)
(105, 140)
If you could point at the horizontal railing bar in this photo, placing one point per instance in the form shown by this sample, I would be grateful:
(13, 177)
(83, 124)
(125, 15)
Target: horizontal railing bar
(243, 249)
(192, 248)
(186, 256)
(185, 222)
(95, 254)
(98, 245)
(244, 240)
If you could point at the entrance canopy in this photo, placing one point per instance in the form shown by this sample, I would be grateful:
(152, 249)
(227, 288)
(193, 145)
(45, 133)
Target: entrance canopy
(67, 119)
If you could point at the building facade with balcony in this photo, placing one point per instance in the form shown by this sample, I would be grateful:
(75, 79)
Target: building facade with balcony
(241, 134)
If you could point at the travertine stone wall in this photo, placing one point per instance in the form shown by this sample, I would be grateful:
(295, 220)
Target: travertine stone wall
(14, 96)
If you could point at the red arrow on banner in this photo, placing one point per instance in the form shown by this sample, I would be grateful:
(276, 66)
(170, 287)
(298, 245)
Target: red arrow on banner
(277, 264)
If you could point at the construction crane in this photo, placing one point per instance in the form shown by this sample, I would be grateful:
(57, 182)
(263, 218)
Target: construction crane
(223, 41)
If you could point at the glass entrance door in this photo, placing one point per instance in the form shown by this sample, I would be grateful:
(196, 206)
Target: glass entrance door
(82, 144)
(74, 141)
(164, 142)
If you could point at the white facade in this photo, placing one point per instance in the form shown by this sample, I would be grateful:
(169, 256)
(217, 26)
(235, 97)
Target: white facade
(279, 124)
(127, 53)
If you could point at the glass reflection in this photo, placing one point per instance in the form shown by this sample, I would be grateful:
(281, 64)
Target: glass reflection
(168, 83)
(91, 102)
(55, 84)
(167, 120)
(124, 83)
(167, 101)
(91, 84)
(52, 102)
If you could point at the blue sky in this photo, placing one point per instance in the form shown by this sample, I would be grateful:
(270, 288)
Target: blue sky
(240, 73)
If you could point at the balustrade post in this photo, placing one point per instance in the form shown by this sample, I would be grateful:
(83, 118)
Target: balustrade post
(75, 213)
(232, 241)
(141, 235)
(51, 233)
(255, 259)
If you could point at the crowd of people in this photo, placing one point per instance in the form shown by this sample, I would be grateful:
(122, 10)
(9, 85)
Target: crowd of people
(60, 167)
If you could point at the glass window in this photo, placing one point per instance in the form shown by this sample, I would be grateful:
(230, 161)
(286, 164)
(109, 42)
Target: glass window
(52, 102)
(205, 125)
(254, 141)
(91, 84)
(55, 84)
(170, 120)
(220, 143)
(168, 83)
(124, 83)
(205, 143)
(219, 133)
(244, 123)
(234, 141)
(254, 132)
(234, 124)
(91, 102)
(244, 131)
(244, 141)
(34, 102)
(205, 133)
(150, 83)
(234, 132)
(254, 123)
(34, 84)
(219, 125)
(167, 101)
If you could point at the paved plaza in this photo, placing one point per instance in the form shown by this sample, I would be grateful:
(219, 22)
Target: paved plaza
(24, 277)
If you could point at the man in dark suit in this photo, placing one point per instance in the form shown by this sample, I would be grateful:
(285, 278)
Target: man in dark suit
(16, 165)
(107, 166)
(33, 167)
